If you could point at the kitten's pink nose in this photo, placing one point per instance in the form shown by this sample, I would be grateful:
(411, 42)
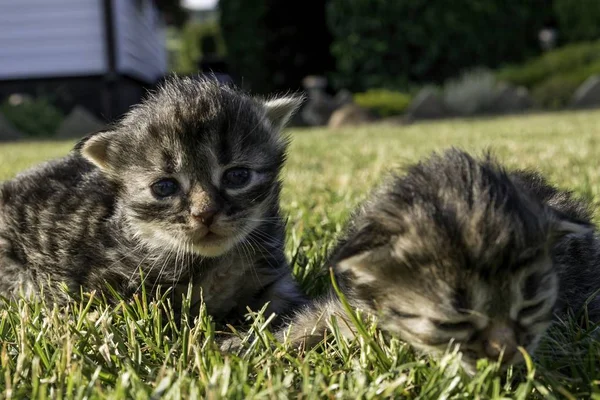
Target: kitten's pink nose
(206, 216)
(500, 339)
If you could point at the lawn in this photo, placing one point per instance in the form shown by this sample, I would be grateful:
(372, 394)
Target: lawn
(135, 351)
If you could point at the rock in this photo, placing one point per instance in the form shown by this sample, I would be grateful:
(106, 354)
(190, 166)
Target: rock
(510, 99)
(588, 94)
(78, 123)
(350, 115)
(318, 109)
(314, 82)
(343, 97)
(427, 105)
(7, 131)
(320, 105)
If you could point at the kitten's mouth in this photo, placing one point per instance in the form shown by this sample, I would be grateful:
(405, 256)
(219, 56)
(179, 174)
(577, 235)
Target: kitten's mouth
(206, 237)
(211, 236)
(209, 243)
(470, 361)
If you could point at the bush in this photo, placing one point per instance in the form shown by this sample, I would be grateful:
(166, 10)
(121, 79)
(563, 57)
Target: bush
(272, 45)
(390, 44)
(558, 90)
(472, 93)
(197, 39)
(554, 77)
(244, 33)
(578, 19)
(33, 117)
(560, 61)
(384, 103)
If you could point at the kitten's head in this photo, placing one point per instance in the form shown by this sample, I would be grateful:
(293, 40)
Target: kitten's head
(456, 252)
(198, 164)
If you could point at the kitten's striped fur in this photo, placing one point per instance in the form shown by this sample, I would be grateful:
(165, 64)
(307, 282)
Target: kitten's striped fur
(459, 250)
(96, 216)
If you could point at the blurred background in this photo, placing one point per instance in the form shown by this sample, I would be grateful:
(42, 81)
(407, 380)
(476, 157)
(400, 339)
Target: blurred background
(68, 67)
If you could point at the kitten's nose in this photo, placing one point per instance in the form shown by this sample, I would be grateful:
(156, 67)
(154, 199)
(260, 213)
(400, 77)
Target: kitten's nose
(206, 216)
(500, 339)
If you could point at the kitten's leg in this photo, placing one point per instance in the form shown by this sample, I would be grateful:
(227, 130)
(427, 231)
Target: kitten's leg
(14, 277)
(306, 327)
(283, 296)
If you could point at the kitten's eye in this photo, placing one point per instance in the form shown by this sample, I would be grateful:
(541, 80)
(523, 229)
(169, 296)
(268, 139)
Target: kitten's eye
(531, 310)
(165, 187)
(401, 314)
(236, 178)
(453, 326)
(530, 288)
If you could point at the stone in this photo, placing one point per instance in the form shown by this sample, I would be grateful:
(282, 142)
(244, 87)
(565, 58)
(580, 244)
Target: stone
(588, 94)
(320, 105)
(79, 123)
(318, 109)
(427, 105)
(312, 82)
(350, 115)
(7, 131)
(510, 99)
(343, 97)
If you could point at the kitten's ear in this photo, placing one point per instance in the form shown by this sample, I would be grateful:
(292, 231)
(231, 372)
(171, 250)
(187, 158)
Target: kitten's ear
(368, 266)
(562, 227)
(280, 110)
(98, 148)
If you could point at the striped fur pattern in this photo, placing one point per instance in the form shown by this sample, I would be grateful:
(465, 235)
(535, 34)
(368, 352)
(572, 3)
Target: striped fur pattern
(460, 251)
(184, 188)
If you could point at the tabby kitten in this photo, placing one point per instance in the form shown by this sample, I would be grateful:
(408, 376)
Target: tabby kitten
(185, 188)
(461, 252)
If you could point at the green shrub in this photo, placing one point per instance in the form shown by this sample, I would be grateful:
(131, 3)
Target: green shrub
(272, 44)
(384, 103)
(383, 43)
(554, 76)
(560, 61)
(194, 39)
(578, 19)
(557, 91)
(33, 117)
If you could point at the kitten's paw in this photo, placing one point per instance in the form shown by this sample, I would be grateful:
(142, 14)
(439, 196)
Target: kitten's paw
(232, 344)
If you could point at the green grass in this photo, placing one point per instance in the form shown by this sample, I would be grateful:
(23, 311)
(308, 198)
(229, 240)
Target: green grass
(139, 351)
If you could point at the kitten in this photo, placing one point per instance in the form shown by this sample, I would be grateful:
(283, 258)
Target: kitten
(459, 251)
(185, 188)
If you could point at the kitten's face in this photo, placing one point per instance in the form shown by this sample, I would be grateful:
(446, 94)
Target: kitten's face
(198, 164)
(455, 253)
(435, 307)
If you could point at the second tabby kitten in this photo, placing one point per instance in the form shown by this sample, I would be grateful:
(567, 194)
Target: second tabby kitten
(461, 251)
(184, 188)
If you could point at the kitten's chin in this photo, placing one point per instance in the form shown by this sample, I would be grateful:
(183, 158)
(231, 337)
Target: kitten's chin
(205, 245)
(213, 245)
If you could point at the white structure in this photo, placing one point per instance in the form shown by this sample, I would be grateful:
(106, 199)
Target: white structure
(140, 39)
(61, 39)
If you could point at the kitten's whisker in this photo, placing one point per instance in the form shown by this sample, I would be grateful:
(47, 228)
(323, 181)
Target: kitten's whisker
(265, 236)
(266, 256)
(248, 252)
(237, 117)
(160, 272)
(260, 122)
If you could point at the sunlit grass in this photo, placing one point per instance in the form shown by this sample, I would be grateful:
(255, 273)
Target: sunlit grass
(140, 350)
